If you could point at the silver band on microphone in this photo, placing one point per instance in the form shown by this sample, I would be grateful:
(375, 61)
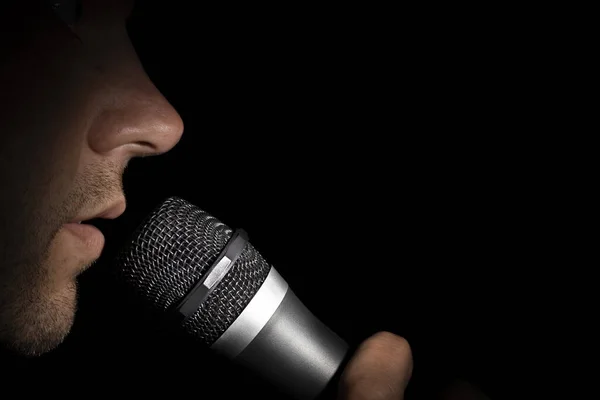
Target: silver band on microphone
(278, 338)
(254, 317)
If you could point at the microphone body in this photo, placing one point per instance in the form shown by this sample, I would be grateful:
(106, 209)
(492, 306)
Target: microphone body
(222, 292)
(277, 337)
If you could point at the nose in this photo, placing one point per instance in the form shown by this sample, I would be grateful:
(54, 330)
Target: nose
(138, 119)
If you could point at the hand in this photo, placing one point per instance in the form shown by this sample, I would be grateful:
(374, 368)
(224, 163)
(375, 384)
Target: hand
(379, 369)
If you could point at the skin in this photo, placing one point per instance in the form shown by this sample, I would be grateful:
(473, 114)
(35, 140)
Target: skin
(380, 369)
(77, 106)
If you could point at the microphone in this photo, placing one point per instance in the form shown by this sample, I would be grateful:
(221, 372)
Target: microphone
(210, 281)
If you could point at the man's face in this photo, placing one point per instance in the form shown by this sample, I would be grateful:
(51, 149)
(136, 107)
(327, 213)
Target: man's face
(75, 107)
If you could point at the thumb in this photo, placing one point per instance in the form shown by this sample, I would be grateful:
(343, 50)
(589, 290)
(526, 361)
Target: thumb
(379, 369)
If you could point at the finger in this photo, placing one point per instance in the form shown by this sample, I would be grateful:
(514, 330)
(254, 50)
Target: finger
(379, 369)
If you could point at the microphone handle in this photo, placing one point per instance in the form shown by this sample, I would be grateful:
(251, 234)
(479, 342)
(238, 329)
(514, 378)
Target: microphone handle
(295, 351)
(331, 391)
(279, 339)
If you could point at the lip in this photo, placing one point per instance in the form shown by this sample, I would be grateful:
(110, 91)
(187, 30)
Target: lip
(116, 210)
(88, 235)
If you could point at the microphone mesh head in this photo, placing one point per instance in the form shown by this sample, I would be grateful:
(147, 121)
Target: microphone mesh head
(171, 251)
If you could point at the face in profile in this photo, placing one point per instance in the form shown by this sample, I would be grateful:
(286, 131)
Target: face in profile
(75, 107)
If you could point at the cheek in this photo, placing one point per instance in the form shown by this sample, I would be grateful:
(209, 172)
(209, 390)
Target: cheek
(43, 123)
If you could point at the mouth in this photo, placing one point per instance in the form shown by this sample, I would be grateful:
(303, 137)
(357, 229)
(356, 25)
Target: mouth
(89, 238)
(87, 230)
(110, 212)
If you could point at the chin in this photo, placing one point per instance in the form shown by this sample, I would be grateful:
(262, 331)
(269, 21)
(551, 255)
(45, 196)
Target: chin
(40, 322)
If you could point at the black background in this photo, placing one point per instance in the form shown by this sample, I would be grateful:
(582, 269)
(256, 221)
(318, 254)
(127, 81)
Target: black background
(365, 151)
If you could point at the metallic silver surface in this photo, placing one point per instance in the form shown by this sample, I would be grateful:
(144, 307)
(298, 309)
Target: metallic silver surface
(203, 288)
(250, 314)
(172, 250)
(217, 273)
(295, 351)
(254, 317)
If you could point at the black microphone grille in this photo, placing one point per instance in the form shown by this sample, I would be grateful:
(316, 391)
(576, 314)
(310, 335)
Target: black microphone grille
(172, 249)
